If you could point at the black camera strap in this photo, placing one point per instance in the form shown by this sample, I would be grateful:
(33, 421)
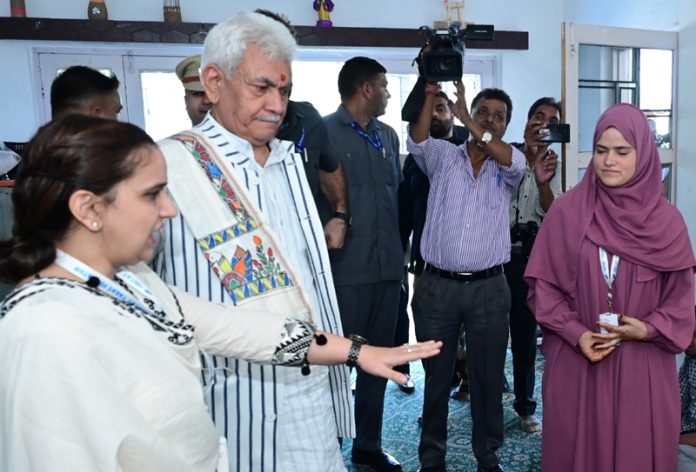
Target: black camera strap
(517, 197)
(521, 147)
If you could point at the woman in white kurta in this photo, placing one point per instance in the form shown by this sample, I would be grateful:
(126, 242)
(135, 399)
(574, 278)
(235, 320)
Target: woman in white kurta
(100, 365)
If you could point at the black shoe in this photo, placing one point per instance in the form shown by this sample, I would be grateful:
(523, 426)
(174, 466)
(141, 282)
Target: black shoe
(441, 468)
(377, 460)
(461, 393)
(409, 386)
(506, 387)
(491, 468)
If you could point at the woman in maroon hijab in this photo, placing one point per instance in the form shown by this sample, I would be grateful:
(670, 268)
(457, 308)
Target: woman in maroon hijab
(613, 244)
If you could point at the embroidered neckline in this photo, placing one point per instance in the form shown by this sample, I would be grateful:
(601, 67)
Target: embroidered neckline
(178, 333)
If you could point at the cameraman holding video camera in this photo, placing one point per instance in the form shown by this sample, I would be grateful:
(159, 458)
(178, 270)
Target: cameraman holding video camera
(465, 244)
(540, 185)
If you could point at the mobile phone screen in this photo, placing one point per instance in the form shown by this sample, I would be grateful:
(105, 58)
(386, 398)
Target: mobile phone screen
(558, 133)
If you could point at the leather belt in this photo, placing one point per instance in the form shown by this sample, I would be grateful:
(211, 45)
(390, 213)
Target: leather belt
(465, 276)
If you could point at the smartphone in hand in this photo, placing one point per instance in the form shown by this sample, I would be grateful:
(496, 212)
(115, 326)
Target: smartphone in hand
(558, 133)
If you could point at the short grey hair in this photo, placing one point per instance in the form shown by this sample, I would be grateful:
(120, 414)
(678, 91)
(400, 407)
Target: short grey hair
(227, 42)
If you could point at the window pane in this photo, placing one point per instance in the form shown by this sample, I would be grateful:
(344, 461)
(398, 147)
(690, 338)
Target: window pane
(581, 173)
(607, 76)
(606, 63)
(660, 126)
(655, 79)
(667, 180)
(316, 82)
(593, 101)
(656, 93)
(163, 104)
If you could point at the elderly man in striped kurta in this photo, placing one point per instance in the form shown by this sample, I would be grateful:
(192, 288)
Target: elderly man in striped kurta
(465, 243)
(249, 234)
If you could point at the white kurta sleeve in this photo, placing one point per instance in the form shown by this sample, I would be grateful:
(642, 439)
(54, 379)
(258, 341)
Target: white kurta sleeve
(231, 331)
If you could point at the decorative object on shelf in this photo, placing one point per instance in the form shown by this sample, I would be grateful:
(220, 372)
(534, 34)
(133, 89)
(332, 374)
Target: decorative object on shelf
(17, 9)
(457, 7)
(324, 8)
(172, 11)
(96, 10)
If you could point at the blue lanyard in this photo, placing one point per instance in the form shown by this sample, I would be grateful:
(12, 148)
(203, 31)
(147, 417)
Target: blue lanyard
(373, 138)
(300, 146)
(300, 143)
(106, 285)
(609, 273)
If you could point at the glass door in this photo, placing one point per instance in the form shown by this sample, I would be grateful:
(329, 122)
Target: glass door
(604, 66)
(155, 94)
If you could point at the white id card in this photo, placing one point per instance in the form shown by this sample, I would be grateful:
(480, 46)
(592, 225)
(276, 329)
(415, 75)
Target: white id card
(608, 318)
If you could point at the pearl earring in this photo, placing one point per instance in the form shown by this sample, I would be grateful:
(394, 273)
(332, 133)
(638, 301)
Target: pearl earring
(95, 225)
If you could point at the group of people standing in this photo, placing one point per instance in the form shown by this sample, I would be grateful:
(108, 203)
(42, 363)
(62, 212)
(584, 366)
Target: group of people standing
(273, 249)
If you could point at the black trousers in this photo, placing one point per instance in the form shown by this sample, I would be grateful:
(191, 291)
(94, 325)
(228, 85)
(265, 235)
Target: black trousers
(523, 328)
(402, 322)
(369, 310)
(440, 306)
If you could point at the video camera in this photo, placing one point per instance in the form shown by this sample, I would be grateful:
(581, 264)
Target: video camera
(445, 60)
(523, 231)
(526, 234)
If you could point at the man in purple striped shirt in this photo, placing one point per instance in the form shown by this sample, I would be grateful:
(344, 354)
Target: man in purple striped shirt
(465, 243)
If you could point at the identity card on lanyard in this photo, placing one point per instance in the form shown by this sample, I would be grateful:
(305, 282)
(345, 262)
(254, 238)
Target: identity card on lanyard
(609, 274)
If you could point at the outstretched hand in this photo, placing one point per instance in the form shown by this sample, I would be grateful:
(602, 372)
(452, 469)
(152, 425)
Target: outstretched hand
(380, 361)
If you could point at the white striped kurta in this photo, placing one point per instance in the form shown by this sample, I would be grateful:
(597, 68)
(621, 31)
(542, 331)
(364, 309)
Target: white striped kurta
(274, 418)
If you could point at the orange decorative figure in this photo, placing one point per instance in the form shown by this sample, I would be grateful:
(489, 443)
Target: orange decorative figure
(17, 8)
(324, 8)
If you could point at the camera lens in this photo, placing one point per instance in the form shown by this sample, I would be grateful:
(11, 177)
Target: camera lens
(445, 64)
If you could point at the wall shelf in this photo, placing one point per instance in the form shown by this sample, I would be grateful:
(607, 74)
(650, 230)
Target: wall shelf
(194, 33)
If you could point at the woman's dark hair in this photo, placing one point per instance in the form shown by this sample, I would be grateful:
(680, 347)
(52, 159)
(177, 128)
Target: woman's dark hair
(68, 154)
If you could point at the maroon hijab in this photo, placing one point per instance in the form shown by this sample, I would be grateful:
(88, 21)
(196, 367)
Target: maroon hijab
(634, 221)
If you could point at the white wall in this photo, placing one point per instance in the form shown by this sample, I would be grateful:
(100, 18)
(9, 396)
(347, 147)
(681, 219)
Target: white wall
(364, 13)
(18, 118)
(525, 75)
(686, 116)
(662, 15)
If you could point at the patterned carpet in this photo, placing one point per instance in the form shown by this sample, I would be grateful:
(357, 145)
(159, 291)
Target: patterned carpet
(521, 452)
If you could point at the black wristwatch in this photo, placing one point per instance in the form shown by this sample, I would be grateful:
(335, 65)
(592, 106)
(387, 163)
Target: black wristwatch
(343, 216)
(354, 352)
